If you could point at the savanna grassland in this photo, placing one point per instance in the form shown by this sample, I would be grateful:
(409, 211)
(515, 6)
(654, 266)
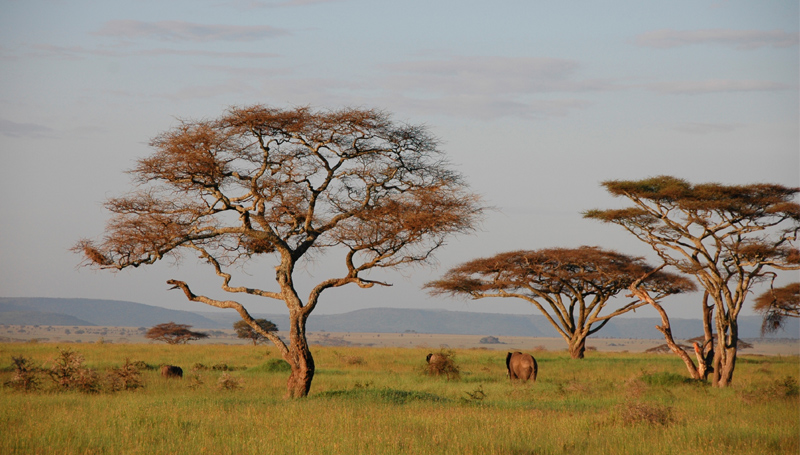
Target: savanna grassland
(379, 400)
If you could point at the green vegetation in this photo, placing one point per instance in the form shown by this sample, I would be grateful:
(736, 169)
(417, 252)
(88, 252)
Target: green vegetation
(379, 400)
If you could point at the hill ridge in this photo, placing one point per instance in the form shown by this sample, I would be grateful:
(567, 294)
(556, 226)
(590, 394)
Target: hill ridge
(120, 313)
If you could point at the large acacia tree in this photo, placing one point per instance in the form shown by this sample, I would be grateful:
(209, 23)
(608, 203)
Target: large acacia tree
(729, 237)
(571, 287)
(261, 181)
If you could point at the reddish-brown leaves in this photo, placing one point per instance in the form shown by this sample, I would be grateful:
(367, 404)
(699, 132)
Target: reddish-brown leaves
(576, 272)
(260, 180)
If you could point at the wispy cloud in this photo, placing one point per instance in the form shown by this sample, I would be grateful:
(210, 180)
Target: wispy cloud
(490, 86)
(717, 86)
(30, 130)
(739, 39)
(492, 75)
(253, 4)
(706, 128)
(74, 52)
(188, 31)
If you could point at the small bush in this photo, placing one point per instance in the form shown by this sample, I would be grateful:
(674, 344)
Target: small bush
(443, 364)
(69, 373)
(142, 366)
(195, 381)
(786, 388)
(277, 365)
(25, 375)
(350, 359)
(651, 414)
(384, 395)
(476, 396)
(665, 379)
(228, 382)
(126, 377)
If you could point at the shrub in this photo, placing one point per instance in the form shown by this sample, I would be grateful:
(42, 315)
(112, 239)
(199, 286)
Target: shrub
(228, 382)
(476, 396)
(69, 373)
(350, 359)
(195, 381)
(652, 414)
(277, 365)
(443, 363)
(142, 366)
(665, 379)
(786, 388)
(126, 377)
(25, 375)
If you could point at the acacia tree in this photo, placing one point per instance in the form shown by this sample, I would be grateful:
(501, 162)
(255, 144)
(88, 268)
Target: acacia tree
(262, 181)
(776, 305)
(571, 287)
(729, 237)
(173, 333)
(243, 330)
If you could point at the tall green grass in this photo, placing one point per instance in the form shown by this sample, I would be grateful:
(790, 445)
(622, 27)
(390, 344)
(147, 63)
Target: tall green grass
(377, 400)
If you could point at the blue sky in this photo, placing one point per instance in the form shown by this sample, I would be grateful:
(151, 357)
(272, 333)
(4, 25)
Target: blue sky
(535, 102)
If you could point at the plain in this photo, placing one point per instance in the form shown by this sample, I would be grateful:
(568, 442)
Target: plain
(379, 400)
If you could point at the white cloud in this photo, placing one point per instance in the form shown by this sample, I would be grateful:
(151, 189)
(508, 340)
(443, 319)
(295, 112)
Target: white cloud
(739, 39)
(187, 31)
(717, 86)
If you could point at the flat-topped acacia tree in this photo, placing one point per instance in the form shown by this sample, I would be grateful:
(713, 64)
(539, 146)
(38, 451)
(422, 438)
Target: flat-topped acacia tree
(262, 181)
(728, 237)
(571, 287)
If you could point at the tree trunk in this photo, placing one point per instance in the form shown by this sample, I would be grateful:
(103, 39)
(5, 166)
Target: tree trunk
(705, 353)
(577, 346)
(666, 330)
(299, 358)
(725, 357)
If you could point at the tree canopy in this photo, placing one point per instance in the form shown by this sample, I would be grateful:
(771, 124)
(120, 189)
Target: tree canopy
(173, 333)
(729, 237)
(778, 304)
(286, 184)
(243, 330)
(570, 286)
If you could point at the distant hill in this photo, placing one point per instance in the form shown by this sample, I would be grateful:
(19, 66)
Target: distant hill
(47, 311)
(394, 320)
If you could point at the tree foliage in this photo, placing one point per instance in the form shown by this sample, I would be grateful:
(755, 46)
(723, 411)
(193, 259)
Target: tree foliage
(172, 333)
(243, 330)
(776, 305)
(729, 237)
(570, 286)
(288, 184)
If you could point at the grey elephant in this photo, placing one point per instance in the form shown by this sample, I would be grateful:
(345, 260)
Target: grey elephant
(521, 366)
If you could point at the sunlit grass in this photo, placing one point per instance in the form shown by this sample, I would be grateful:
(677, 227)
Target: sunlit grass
(377, 400)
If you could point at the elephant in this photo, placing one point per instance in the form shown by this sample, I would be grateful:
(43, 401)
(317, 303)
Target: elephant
(434, 358)
(441, 364)
(171, 371)
(521, 366)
